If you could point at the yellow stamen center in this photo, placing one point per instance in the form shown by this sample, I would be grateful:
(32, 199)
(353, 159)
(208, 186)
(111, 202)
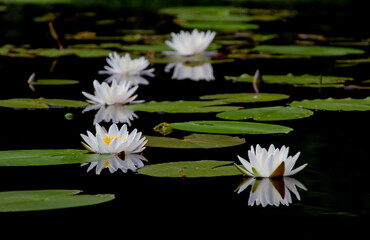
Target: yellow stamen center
(106, 164)
(108, 139)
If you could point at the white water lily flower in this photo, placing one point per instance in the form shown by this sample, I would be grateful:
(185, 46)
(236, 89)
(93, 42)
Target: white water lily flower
(114, 141)
(126, 66)
(186, 43)
(116, 93)
(268, 191)
(269, 163)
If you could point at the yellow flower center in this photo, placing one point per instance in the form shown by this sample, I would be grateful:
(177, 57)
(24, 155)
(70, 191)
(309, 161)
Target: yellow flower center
(108, 139)
(106, 163)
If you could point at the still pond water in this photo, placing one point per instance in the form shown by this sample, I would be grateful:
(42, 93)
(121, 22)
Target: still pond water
(331, 192)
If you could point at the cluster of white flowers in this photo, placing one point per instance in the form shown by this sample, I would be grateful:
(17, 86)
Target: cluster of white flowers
(126, 73)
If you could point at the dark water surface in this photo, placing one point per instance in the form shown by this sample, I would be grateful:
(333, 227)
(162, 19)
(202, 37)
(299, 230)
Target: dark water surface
(333, 143)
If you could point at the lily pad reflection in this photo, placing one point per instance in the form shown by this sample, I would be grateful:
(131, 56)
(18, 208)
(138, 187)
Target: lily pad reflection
(130, 162)
(271, 191)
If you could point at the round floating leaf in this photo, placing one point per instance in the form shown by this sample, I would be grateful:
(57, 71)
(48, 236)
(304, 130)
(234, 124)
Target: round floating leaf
(36, 200)
(303, 80)
(195, 141)
(83, 53)
(54, 82)
(230, 127)
(182, 107)
(332, 104)
(221, 26)
(319, 51)
(267, 113)
(45, 157)
(246, 97)
(40, 103)
(191, 169)
(214, 17)
(23, 103)
(219, 10)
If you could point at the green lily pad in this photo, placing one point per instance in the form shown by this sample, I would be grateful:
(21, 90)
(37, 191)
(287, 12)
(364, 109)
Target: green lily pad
(44, 157)
(230, 127)
(214, 17)
(300, 81)
(37, 200)
(219, 10)
(220, 26)
(160, 47)
(245, 97)
(54, 82)
(39, 1)
(191, 169)
(182, 106)
(195, 141)
(83, 53)
(267, 114)
(318, 51)
(332, 104)
(40, 103)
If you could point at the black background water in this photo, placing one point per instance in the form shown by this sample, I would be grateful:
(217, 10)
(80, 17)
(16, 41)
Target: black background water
(334, 144)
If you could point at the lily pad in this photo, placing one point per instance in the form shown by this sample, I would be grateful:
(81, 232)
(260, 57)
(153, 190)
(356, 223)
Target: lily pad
(303, 80)
(83, 53)
(195, 141)
(36, 200)
(159, 47)
(45, 157)
(40, 103)
(276, 113)
(221, 26)
(332, 104)
(230, 127)
(39, 1)
(318, 51)
(182, 106)
(219, 10)
(54, 82)
(245, 97)
(191, 169)
(214, 17)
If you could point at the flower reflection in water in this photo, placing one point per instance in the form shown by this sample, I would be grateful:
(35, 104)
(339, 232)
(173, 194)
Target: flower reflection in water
(194, 72)
(131, 162)
(116, 113)
(132, 79)
(271, 191)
